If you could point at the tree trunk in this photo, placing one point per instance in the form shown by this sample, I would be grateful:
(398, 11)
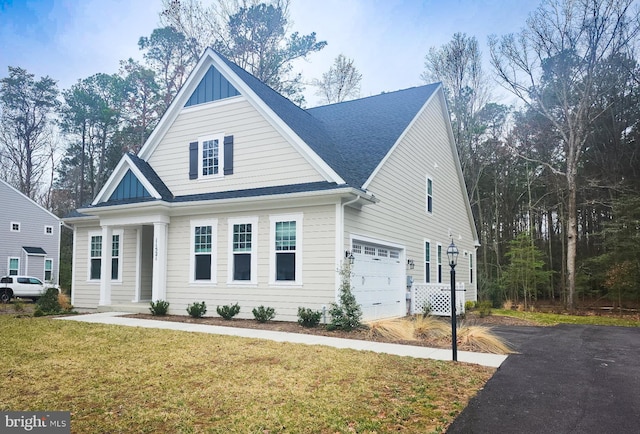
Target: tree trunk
(572, 235)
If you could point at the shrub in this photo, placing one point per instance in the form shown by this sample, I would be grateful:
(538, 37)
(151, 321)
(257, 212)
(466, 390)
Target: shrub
(65, 302)
(426, 309)
(48, 304)
(484, 308)
(469, 305)
(18, 305)
(228, 311)
(263, 314)
(197, 310)
(308, 317)
(159, 308)
(346, 314)
(507, 305)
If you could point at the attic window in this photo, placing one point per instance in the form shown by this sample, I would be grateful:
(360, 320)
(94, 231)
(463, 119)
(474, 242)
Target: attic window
(211, 157)
(15, 226)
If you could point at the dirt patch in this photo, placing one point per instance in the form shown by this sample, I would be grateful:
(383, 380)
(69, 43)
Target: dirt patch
(361, 334)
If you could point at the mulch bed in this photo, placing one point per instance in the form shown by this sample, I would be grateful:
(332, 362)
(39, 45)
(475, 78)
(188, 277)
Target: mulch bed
(361, 334)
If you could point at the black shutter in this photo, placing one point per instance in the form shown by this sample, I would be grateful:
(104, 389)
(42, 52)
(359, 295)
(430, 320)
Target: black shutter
(228, 155)
(193, 160)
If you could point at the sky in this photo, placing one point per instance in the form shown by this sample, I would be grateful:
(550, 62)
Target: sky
(69, 40)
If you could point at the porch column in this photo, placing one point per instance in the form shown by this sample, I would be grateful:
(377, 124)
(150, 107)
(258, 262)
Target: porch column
(159, 282)
(105, 265)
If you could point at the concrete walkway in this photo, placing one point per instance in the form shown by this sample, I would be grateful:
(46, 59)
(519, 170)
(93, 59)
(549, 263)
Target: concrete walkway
(116, 318)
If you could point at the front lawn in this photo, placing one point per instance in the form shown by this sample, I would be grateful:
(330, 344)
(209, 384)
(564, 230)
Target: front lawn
(121, 379)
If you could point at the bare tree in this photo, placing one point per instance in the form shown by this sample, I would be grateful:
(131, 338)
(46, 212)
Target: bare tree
(552, 65)
(341, 82)
(27, 107)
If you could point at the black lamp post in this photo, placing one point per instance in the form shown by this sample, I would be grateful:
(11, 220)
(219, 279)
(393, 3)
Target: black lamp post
(452, 254)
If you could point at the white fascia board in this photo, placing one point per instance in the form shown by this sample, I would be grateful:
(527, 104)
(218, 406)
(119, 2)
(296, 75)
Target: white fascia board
(454, 151)
(404, 133)
(118, 173)
(30, 200)
(209, 58)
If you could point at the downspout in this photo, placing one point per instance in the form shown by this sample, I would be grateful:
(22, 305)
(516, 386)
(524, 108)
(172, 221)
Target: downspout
(340, 241)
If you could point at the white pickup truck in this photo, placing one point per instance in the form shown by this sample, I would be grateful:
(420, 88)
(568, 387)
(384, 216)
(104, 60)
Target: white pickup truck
(23, 287)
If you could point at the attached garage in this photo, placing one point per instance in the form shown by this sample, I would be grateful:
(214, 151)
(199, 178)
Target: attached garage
(378, 280)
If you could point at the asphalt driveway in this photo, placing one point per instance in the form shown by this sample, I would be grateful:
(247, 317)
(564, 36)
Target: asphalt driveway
(566, 379)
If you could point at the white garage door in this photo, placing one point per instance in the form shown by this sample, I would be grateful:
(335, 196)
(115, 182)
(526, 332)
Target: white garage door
(378, 280)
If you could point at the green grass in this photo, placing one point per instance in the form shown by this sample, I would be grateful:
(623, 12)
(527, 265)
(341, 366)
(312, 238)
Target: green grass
(556, 318)
(121, 379)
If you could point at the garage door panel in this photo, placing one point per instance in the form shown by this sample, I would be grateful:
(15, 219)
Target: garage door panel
(378, 281)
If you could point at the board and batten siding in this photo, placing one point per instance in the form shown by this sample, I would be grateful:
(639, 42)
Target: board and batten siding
(262, 157)
(401, 217)
(318, 266)
(32, 218)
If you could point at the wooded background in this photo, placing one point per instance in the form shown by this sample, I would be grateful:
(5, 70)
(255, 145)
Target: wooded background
(553, 181)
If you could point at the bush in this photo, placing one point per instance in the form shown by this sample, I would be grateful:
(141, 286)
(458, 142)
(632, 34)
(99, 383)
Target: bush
(263, 314)
(484, 308)
(197, 310)
(308, 317)
(346, 314)
(159, 308)
(469, 305)
(426, 309)
(228, 311)
(48, 304)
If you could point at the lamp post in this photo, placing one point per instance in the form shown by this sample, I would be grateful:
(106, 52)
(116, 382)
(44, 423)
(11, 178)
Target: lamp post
(452, 254)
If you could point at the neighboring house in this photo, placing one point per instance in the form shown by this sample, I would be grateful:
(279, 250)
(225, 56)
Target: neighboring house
(241, 196)
(30, 237)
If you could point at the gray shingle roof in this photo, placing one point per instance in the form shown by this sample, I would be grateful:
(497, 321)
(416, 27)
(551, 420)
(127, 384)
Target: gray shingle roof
(152, 177)
(352, 137)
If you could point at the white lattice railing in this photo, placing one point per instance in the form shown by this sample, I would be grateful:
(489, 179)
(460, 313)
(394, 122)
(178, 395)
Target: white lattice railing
(438, 297)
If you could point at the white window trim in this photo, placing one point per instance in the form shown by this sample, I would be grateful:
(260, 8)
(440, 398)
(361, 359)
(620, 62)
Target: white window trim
(439, 276)
(214, 256)
(90, 234)
(44, 271)
(254, 251)
(273, 219)
(48, 227)
(120, 234)
(220, 138)
(15, 223)
(9, 265)
(427, 195)
(424, 256)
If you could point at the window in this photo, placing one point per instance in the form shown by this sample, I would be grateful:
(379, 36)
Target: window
(15, 226)
(243, 263)
(14, 266)
(210, 156)
(470, 268)
(48, 270)
(429, 195)
(115, 257)
(439, 263)
(286, 245)
(203, 240)
(48, 230)
(427, 262)
(95, 255)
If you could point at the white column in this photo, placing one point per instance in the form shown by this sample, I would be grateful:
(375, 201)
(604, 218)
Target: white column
(159, 282)
(136, 293)
(105, 266)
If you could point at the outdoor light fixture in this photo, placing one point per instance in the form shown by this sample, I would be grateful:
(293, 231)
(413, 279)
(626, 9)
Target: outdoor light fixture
(411, 264)
(349, 255)
(452, 254)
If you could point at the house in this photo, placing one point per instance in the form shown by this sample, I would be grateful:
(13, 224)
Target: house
(241, 196)
(30, 237)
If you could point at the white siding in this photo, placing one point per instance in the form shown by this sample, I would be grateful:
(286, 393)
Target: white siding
(262, 157)
(85, 294)
(400, 217)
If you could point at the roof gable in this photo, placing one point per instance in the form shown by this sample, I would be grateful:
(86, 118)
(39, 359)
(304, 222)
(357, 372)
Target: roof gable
(212, 87)
(132, 179)
(11, 190)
